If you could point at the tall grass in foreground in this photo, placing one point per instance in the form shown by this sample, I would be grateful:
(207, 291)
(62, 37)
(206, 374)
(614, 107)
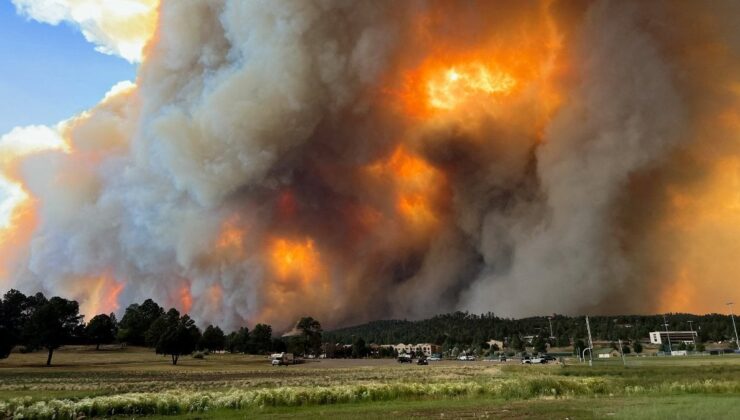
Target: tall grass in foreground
(173, 402)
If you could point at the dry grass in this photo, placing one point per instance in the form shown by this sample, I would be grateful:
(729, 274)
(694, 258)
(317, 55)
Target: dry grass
(136, 381)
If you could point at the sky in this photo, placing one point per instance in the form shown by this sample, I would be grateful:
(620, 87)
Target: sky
(50, 73)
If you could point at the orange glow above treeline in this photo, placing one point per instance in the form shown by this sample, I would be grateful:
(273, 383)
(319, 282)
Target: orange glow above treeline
(186, 299)
(416, 184)
(295, 260)
(101, 295)
(231, 237)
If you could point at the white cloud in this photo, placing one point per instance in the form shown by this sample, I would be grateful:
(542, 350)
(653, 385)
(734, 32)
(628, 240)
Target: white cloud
(120, 27)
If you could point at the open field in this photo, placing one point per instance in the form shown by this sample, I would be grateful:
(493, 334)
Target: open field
(138, 382)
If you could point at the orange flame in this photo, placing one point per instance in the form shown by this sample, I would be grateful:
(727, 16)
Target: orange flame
(416, 183)
(446, 85)
(453, 87)
(98, 295)
(215, 296)
(231, 236)
(295, 260)
(299, 275)
(698, 240)
(186, 299)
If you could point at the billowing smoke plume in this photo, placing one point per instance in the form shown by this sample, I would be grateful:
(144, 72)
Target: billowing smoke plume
(120, 27)
(359, 160)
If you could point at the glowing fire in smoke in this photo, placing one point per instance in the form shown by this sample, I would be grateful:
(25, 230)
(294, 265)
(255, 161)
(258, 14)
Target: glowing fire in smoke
(186, 299)
(295, 260)
(462, 83)
(231, 239)
(98, 295)
(416, 183)
(299, 273)
(468, 82)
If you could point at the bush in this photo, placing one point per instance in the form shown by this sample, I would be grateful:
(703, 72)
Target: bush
(199, 355)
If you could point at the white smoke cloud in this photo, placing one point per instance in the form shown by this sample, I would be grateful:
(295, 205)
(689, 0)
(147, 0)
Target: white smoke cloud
(120, 27)
(19, 142)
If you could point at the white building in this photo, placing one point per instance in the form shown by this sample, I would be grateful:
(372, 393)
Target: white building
(677, 337)
(427, 349)
(498, 343)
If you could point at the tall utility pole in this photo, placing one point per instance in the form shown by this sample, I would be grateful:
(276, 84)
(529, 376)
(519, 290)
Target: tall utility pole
(549, 319)
(590, 344)
(691, 327)
(732, 315)
(668, 335)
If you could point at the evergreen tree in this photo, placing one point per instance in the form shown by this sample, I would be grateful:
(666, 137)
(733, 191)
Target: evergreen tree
(101, 329)
(261, 340)
(180, 337)
(136, 321)
(359, 349)
(517, 343)
(311, 333)
(213, 339)
(238, 341)
(51, 324)
(13, 315)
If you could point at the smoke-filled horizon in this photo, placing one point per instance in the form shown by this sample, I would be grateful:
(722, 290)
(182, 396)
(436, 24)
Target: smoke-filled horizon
(355, 160)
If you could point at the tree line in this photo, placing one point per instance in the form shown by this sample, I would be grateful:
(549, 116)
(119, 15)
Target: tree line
(35, 322)
(465, 330)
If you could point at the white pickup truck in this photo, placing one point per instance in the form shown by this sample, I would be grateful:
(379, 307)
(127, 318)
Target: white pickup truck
(282, 359)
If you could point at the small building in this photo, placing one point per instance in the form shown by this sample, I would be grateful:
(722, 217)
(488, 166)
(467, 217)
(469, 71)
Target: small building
(427, 349)
(497, 343)
(677, 337)
(606, 353)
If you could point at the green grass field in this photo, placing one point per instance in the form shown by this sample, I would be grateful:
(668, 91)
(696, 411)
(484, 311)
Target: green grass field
(136, 382)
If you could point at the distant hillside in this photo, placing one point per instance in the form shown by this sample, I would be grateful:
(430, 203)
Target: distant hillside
(469, 329)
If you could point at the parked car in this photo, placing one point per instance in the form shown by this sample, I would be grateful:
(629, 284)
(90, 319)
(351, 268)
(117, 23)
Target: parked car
(468, 358)
(422, 362)
(434, 359)
(502, 358)
(526, 360)
(405, 358)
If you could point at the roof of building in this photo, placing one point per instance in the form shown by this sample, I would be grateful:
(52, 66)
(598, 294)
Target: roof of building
(673, 332)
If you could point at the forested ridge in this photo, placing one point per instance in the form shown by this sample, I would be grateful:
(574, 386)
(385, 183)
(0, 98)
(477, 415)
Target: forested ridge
(462, 328)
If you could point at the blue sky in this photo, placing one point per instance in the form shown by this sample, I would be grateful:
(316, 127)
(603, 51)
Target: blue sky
(50, 73)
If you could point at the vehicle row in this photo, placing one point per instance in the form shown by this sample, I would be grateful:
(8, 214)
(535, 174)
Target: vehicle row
(537, 360)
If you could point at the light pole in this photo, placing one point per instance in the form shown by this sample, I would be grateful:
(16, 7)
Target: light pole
(668, 335)
(691, 327)
(732, 315)
(549, 319)
(590, 345)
